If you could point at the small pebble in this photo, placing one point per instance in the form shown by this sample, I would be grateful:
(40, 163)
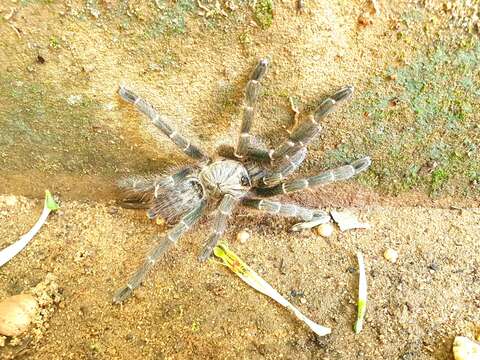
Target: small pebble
(40, 59)
(74, 99)
(112, 210)
(109, 107)
(243, 236)
(83, 310)
(88, 68)
(16, 314)
(10, 200)
(465, 349)
(295, 293)
(351, 269)
(15, 341)
(365, 19)
(391, 255)
(303, 300)
(324, 230)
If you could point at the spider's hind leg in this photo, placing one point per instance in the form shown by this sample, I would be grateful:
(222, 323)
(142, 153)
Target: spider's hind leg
(162, 246)
(137, 192)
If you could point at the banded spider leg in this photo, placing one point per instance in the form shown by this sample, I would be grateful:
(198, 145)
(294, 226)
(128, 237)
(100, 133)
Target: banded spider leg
(341, 173)
(158, 250)
(145, 107)
(292, 152)
(311, 217)
(223, 212)
(245, 147)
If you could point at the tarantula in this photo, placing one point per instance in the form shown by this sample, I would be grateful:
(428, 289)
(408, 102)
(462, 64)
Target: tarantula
(247, 176)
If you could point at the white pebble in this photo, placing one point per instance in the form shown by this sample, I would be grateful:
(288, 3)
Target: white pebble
(391, 255)
(16, 314)
(465, 349)
(325, 230)
(9, 200)
(74, 99)
(109, 106)
(243, 236)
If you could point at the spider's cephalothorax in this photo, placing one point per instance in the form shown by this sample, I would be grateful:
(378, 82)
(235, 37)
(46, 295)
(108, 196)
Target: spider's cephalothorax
(247, 177)
(225, 176)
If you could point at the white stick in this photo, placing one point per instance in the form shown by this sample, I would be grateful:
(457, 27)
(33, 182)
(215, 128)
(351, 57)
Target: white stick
(10, 251)
(234, 263)
(362, 294)
(265, 288)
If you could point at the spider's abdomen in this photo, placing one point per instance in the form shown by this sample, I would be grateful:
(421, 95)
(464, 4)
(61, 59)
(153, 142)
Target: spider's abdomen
(225, 177)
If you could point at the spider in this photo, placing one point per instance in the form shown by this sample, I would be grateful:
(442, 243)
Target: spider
(247, 175)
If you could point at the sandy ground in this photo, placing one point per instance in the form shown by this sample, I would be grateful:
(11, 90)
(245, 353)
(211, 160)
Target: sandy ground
(190, 310)
(63, 127)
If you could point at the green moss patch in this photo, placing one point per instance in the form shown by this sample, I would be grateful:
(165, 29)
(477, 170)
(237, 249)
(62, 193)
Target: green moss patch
(422, 132)
(263, 13)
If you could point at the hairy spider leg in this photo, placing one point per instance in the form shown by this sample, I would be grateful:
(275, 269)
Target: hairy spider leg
(223, 212)
(308, 130)
(311, 217)
(290, 154)
(285, 167)
(251, 95)
(341, 173)
(145, 107)
(137, 191)
(165, 243)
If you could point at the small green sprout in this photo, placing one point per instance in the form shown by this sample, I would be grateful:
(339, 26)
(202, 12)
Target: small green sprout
(362, 294)
(50, 202)
(264, 13)
(195, 326)
(10, 251)
(54, 42)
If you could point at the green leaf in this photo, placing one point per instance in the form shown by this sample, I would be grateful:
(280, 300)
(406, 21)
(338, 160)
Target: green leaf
(50, 201)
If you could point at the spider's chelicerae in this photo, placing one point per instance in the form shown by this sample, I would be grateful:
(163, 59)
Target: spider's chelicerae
(247, 177)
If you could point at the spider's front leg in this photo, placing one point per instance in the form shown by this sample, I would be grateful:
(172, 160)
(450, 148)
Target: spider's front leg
(160, 248)
(308, 130)
(341, 173)
(291, 153)
(224, 211)
(244, 145)
(311, 217)
(285, 167)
